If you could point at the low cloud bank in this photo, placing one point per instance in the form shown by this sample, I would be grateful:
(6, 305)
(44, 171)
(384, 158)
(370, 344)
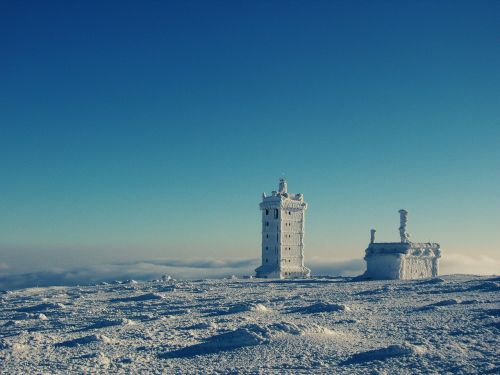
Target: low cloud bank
(201, 269)
(466, 264)
(142, 270)
(333, 267)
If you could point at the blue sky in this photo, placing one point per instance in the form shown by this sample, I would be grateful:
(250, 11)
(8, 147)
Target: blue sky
(144, 130)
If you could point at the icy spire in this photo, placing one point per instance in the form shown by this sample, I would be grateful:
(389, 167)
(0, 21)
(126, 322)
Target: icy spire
(403, 219)
(283, 188)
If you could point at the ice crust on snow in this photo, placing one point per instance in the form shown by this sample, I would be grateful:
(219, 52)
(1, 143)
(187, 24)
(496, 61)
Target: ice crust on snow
(250, 335)
(324, 326)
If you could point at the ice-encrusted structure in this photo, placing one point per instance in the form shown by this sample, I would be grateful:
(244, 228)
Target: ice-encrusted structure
(282, 234)
(401, 260)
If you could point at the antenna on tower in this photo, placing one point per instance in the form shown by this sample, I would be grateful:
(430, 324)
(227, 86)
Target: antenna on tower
(283, 188)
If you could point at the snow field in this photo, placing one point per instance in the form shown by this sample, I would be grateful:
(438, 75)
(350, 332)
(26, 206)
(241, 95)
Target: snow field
(448, 324)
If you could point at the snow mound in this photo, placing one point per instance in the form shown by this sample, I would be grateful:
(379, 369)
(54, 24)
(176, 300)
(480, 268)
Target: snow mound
(285, 327)
(436, 305)
(247, 336)
(397, 350)
(42, 316)
(140, 298)
(126, 322)
(85, 340)
(13, 346)
(98, 358)
(130, 282)
(316, 330)
(42, 307)
(321, 307)
(258, 307)
(18, 347)
(299, 329)
(244, 307)
(110, 323)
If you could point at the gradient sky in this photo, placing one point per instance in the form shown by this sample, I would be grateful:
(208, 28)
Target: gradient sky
(149, 129)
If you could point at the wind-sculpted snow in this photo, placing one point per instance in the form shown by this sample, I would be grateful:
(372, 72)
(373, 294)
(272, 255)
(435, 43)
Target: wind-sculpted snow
(325, 325)
(382, 354)
(41, 307)
(246, 336)
(141, 297)
(85, 340)
(321, 307)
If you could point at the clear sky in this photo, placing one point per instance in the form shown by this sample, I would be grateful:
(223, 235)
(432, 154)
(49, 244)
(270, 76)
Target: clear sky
(136, 130)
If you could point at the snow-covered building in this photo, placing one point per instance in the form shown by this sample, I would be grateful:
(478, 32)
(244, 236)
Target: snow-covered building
(401, 260)
(282, 234)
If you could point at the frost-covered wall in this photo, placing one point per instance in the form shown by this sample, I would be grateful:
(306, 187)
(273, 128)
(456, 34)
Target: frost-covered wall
(283, 217)
(401, 260)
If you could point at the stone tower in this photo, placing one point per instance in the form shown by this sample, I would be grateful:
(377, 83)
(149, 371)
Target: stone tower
(282, 234)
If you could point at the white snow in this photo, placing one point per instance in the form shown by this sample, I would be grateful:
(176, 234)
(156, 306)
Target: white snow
(283, 230)
(403, 260)
(443, 325)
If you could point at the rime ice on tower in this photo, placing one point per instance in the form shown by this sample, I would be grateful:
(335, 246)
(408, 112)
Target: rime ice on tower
(282, 235)
(401, 260)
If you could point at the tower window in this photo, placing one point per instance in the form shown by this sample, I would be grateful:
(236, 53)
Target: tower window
(266, 248)
(267, 223)
(289, 212)
(267, 235)
(266, 260)
(267, 212)
(276, 213)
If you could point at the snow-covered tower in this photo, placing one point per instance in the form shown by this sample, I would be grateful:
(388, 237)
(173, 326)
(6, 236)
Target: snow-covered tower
(282, 234)
(401, 260)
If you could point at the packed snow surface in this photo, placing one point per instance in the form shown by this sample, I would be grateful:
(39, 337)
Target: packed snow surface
(324, 325)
